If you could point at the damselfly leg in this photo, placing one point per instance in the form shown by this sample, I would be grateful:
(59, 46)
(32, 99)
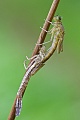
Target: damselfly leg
(49, 22)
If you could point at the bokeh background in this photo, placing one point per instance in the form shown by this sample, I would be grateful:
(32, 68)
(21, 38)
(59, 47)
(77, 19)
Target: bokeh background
(54, 92)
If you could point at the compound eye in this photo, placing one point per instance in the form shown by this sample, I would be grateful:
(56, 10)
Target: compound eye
(59, 18)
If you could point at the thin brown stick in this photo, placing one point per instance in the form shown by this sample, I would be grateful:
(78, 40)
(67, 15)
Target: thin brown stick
(36, 49)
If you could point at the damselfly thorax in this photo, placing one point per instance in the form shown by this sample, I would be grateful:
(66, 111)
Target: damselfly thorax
(57, 33)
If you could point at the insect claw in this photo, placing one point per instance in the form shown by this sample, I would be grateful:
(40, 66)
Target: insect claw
(41, 28)
(28, 58)
(25, 64)
(44, 29)
(39, 44)
(48, 21)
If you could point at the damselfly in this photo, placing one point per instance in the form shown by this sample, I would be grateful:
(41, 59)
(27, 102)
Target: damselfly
(57, 36)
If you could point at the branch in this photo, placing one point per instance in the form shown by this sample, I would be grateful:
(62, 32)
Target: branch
(36, 49)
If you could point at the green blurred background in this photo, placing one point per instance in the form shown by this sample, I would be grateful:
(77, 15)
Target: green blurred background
(54, 92)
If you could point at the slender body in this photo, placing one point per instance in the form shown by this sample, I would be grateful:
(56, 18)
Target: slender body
(57, 36)
(34, 66)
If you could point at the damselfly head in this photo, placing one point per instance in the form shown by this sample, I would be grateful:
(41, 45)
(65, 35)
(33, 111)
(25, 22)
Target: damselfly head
(57, 18)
